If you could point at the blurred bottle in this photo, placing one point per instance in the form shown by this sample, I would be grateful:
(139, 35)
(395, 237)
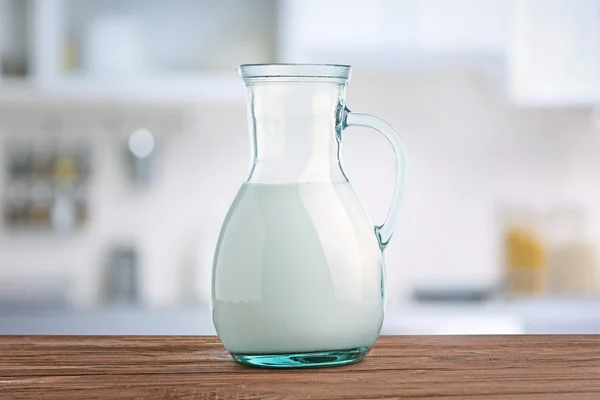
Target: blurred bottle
(573, 261)
(42, 158)
(84, 161)
(70, 55)
(18, 160)
(81, 204)
(141, 156)
(63, 214)
(122, 275)
(15, 206)
(40, 201)
(65, 165)
(525, 252)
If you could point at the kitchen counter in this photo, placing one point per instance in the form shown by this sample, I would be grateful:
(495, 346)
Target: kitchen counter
(541, 316)
(198, 321)
(427, 367)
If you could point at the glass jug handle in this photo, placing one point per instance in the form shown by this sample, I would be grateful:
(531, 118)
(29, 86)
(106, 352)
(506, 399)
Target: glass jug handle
(384, 231)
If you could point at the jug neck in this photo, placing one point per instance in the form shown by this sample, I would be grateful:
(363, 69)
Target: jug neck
(295, 130)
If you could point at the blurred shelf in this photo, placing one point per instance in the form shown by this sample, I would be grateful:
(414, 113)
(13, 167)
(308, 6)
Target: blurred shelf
(219, 87)
(193, 88)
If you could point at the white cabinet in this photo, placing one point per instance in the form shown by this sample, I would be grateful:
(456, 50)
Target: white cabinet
(139, 49)
(188, 49)
(463, 26)
(548, 49)
(393, 33)
(554, 52)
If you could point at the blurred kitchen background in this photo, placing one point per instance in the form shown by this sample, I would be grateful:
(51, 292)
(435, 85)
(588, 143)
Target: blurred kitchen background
(124, 140)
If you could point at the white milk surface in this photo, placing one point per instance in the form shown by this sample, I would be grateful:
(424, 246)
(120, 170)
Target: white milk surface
(297, 269)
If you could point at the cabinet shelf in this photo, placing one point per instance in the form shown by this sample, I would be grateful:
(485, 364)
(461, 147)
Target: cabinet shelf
(180, 89)
(185, 50)
(134, 50)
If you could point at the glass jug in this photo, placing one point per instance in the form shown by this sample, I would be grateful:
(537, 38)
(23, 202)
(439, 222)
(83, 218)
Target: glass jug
(298, 272)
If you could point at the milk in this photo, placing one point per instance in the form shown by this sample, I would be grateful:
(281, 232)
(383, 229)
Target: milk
(297, 269)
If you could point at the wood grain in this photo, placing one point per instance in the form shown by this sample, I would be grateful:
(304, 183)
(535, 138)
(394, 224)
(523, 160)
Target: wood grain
(399, 367)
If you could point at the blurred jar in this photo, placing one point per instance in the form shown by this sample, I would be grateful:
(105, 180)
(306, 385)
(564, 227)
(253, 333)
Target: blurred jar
(572, 261)
(15, 207)
(40, 201)
(525, 252)
(84, 160)
(42, 158)
(81, 203)
(18, 160)
(63, 213)
(65, 165)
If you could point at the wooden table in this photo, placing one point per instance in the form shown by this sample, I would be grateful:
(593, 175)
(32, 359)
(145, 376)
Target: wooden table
(424, 367)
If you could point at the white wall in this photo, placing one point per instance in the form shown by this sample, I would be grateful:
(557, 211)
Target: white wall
(468, 150)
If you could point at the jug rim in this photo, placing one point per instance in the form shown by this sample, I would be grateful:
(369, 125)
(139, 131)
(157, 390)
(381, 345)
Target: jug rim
(298, 71)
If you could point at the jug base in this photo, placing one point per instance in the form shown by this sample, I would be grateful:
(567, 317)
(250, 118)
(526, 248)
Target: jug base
(317, 359)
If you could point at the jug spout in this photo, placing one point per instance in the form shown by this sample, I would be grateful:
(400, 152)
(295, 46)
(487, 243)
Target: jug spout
(294, 121)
